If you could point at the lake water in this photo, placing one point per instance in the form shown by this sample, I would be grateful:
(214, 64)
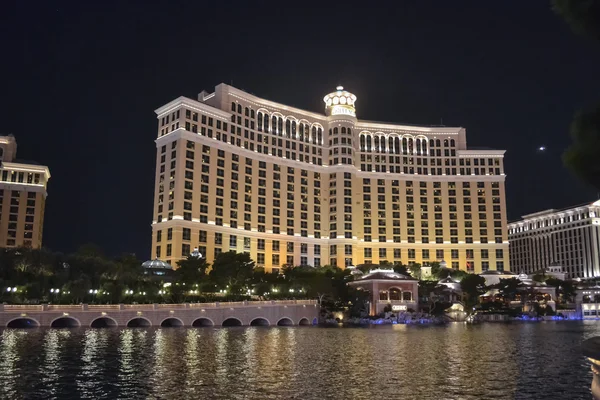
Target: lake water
(458, 361)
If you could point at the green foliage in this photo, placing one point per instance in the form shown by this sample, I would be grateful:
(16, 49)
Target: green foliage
(232, 270)
(191, 270)
(582, 15)
(508, 288)
(415, 270)
(472, 286)
(582, 157)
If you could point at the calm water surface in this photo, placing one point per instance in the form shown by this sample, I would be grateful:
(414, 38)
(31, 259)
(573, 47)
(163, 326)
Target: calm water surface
(488, 361)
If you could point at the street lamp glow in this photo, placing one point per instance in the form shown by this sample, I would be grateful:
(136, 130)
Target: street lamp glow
(14, 289)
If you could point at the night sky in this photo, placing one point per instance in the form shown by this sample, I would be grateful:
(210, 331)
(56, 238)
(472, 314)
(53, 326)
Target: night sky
(81, 80)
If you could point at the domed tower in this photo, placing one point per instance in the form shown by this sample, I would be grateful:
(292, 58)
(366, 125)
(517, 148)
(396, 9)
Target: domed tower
(341, 115)
(340, 141)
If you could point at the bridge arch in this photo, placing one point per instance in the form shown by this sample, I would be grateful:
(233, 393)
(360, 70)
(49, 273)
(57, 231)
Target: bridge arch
(203, 322)
(104, 322)
(65, 322)
(260, 321)
(285, 321)
(231, 321)
(139, 322)
(304, 322)
(23, 322)
(171, 322)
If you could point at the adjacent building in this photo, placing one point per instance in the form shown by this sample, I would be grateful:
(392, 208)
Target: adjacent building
(569, 238)
(22, 197)
(238, 172)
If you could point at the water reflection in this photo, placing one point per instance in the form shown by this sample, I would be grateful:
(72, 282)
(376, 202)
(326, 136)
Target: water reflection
(525, 361)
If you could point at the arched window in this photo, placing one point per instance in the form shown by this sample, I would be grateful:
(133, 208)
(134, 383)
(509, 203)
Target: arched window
(452, 143)
(280, 125)
(251, 113)
(391, 144)
(320, 133)
(335, 131)
(404, 146)
(362, 142)
(1, 153)
(343, 130)
(233, 106)
(407, 296)
(397, 145)
(314, 135)
(301, 132)
(418, 143)
(438, 143)
(446, 143)
(239, 108)
(288, 127)
(369, 143)
(383, 295)
(410, 146)
(274, 124)
(431, 143)
(349, 131)
(424, 146)
(395, 294)
(260, 122)
(376, 141)
(266, 124)
(246, 111)
(293, 130)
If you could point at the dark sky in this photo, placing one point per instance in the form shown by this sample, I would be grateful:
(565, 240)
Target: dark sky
(81, 80)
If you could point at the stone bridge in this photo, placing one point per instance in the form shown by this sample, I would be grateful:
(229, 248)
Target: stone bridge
(245, 313)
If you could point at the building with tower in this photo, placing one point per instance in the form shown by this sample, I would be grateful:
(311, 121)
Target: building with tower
(22, 197)
(295, 187)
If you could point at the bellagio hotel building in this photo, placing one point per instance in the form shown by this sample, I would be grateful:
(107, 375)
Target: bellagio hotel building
(295, 187)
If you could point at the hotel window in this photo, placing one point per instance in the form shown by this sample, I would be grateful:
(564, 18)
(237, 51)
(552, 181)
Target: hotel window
(485, 266)
(411, 253)
(368, 252)
(500, 266)
(260, 244)
(169, 248)
(484, 254)
(425, 254)
(170, 234)
(233, 241)
(275, 260)
(187, 234)
(185, 249)
(382, 254)
(499, 253)
(439, 254)
(260, 258)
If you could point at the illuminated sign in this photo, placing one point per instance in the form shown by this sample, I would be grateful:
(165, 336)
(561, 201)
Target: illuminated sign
(341, 110)
(399, 308)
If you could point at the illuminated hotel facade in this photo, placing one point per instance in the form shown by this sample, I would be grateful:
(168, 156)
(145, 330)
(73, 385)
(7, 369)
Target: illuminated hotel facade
(294, 187)
(22, 198)
(569, 238)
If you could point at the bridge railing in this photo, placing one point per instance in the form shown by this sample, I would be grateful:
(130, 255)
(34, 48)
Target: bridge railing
(146, 307)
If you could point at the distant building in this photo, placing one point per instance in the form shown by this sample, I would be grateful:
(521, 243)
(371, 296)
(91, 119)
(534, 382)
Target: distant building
(548, 240)
(293, 187)
(22, 197)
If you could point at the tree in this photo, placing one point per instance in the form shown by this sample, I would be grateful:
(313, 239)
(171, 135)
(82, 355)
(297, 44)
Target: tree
(232, 269)
(415, 270)
(472, 286)
(191, 270)
(582, 15)
(400, 268)
(582, 157)
(509, 288)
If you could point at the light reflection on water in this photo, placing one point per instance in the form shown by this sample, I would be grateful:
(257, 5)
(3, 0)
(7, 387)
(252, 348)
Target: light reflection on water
(500, 361)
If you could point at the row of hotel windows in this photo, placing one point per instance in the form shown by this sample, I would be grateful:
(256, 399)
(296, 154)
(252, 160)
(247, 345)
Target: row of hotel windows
(317, 139)
(20, 177)
(13, 216)
(366, 197)
(404, 145)
(548, 222)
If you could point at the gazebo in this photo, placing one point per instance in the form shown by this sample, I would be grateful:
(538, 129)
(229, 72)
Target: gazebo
(157, 268)
(387, 287)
